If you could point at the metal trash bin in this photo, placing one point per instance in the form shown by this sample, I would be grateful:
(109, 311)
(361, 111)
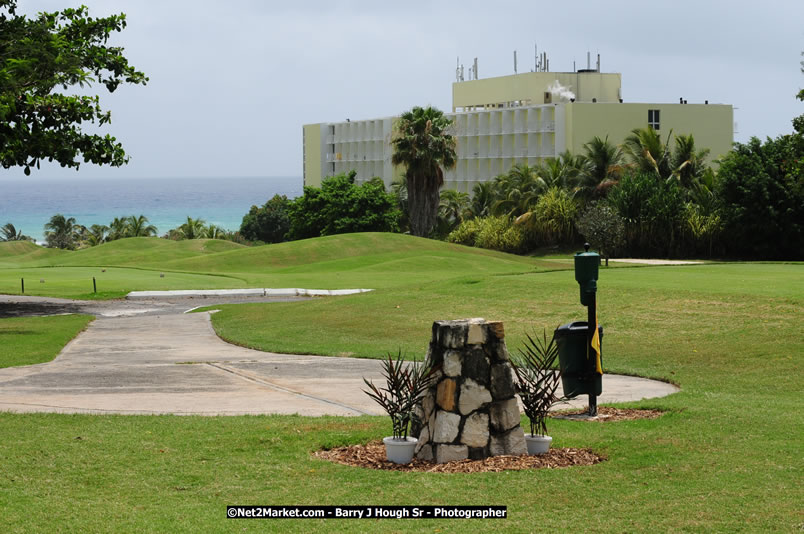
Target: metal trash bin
(578, 374)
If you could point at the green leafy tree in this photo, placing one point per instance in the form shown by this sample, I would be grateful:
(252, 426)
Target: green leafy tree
(603, 228)
(269, 223)
(10, 233)
(39, 55)
(423, 146)
(484, 195)
(138, 227)
(340, 207)
(62, 232)
(761, 188)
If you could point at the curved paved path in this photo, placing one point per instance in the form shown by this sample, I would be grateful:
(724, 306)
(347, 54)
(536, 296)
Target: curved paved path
(147, 357)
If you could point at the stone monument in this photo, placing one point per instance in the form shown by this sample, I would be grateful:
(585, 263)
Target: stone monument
(470, 410)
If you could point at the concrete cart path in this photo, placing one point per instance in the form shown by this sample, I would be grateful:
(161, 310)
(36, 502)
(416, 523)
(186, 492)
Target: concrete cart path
(173, 363)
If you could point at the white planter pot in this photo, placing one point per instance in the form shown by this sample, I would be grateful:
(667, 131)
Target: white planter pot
(538, 444)
(400, 451)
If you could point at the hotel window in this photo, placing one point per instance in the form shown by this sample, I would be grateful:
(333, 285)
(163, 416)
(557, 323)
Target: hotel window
(653, 118)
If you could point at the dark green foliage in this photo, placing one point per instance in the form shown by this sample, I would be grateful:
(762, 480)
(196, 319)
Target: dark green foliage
(37, 57)
(653, 210)
(341, 207)
(268, 223)
(761, 188)
(603, 228)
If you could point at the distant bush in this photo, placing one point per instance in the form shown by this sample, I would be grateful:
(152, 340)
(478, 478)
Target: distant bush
(339, 206)
(495, 233)
(268, 223)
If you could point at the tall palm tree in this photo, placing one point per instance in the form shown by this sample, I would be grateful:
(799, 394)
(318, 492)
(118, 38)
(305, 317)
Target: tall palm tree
(139, 227)
(423, 145)
(601, 169)
(10, 233)
(484, 195)
(518, 189)
(453, 206)
(118, 229)
(213, 232)
(192, 229)
(60, 232)
(688, 164)
(97, 234)
(646, 151)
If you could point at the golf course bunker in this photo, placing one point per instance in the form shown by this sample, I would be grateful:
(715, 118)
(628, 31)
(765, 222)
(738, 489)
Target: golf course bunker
(169, 362)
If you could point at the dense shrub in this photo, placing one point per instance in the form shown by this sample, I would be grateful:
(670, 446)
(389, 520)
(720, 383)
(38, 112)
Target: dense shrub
(495, 233)
(340, 207)
(553, 218)
(653, 209)
(268, 223)
(761, 188)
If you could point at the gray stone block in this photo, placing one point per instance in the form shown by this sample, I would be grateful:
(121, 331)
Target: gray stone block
(504, 415)
(476, 430)
(452, 363)
(472, 396)
(451, 453)
(447, 425)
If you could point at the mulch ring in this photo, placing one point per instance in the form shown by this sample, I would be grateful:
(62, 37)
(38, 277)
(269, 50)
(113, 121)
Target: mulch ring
(607, 414)
(372, 456)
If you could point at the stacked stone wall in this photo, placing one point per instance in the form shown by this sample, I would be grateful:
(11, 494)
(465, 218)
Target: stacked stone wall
(470, 410)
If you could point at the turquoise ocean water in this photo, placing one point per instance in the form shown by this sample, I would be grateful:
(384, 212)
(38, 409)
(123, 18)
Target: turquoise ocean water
(167, 202)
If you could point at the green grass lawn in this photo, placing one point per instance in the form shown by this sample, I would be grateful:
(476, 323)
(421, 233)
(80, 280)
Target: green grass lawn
(31, 340)
(725, 457)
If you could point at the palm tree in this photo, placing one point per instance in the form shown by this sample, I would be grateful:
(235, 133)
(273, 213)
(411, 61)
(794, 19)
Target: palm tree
(10, 233)
(423, 145)
(97, 234)
(213, 232)
(453, 206)
(646, 151)
(601, 169)
(518, 189)
(139, 227)
(192, 229)
(484, 195)
(117, 229)
(688, 164)
(60, 232)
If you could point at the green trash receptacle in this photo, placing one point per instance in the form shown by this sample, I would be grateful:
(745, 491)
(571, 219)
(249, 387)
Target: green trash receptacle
(578, 374)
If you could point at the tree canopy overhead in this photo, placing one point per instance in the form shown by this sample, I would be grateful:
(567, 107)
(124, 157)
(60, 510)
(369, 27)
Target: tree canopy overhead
(40, 56)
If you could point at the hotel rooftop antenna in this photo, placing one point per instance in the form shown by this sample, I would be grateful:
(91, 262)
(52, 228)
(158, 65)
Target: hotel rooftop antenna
(475, 68)
(515, 62)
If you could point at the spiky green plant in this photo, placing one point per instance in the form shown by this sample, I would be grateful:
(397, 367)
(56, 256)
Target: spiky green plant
(537, 380)
(405, 384)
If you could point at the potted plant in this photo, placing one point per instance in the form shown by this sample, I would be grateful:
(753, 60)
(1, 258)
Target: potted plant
(537, 382)
(405, 383)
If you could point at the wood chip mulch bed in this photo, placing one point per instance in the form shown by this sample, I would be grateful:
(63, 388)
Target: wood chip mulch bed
(607, 414)
(372, 456)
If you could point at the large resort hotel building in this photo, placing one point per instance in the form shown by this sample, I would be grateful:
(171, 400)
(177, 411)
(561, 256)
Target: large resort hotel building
(521, 118)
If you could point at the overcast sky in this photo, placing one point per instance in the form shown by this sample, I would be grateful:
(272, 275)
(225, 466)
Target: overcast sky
(232, 83)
